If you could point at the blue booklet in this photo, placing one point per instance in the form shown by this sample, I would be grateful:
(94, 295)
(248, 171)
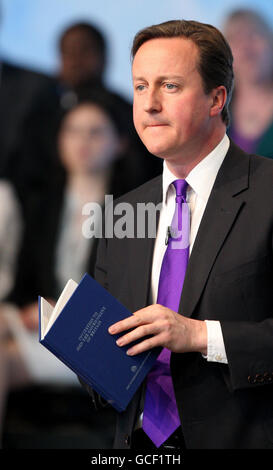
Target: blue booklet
(76, 331)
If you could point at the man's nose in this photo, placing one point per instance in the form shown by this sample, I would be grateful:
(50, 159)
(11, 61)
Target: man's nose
(152, 101)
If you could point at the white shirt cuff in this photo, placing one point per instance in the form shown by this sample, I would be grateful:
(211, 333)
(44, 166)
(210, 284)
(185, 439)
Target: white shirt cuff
(216, 348)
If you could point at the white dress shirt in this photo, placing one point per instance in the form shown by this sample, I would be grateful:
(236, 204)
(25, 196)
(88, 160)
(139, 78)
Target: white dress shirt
(72, 249)
(200, 182)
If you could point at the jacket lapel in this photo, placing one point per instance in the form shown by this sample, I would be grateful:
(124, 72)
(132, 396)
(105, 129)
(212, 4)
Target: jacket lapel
(220, 214)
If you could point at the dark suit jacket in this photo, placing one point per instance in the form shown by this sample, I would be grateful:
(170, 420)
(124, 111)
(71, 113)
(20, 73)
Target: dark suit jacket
(21, 91)
(229, 278)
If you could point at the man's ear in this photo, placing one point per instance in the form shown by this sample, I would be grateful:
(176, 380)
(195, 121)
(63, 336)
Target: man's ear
(219, 98)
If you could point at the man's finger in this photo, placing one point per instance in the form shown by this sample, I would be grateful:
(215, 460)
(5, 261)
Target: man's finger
(138, 318)
(145, 345)
(139, 332)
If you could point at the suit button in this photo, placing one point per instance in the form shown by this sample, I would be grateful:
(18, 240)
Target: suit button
(252, 380)
(259, 378)
(268, 377)
(127, 440)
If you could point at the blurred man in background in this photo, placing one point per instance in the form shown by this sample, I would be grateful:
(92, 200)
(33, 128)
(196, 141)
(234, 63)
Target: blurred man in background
(83, 55)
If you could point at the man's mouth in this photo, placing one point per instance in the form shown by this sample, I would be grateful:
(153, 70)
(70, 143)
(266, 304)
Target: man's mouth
(156, 125)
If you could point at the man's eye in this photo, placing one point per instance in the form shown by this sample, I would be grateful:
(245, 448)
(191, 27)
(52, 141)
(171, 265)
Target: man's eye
(140, 87)
(170, 86)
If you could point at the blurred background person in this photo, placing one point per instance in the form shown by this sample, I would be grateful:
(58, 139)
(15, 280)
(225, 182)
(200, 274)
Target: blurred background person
(11, 229)
(83, 57)
(21, 91)
(251, 41)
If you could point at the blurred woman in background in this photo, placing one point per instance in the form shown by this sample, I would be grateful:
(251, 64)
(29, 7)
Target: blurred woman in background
(251, 41)
(93, 159)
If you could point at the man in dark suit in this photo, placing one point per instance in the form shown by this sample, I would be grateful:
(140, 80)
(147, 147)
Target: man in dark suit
(21, 91)
(221, 334)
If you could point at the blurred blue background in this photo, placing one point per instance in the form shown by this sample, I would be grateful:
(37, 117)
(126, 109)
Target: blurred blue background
(30, 28)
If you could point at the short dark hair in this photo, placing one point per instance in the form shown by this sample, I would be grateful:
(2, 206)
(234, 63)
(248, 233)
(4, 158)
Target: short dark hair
(216, 60)
(94, 33)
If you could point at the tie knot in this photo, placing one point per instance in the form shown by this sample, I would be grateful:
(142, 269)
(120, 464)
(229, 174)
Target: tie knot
(180, 188)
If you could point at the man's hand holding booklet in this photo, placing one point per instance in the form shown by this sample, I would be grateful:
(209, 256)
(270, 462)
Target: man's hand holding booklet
(76, 331)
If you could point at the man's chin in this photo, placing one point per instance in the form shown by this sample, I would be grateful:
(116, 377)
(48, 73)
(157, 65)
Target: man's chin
(158, 151)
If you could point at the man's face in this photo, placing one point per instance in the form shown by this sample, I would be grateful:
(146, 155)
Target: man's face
(171, 110)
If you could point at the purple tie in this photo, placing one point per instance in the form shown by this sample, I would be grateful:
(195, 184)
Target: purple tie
(160, 418)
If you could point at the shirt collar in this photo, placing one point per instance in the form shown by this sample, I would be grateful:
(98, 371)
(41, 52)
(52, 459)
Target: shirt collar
(202, 177)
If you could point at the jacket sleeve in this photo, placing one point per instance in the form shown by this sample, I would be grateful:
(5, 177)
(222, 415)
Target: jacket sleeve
(249, 344)
(249, 348)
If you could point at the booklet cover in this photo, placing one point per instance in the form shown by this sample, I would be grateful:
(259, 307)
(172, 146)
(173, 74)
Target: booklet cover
(76, 331)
